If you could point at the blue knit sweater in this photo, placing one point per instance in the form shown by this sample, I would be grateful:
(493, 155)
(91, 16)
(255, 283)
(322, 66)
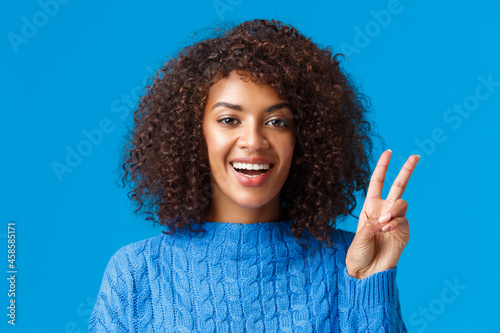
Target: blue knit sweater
(242, 278)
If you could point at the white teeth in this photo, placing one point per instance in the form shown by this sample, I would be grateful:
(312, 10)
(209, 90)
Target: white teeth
(248, 166)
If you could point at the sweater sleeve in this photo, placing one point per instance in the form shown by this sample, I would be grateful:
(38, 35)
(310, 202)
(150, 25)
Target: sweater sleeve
(370, 304)
(110, 313)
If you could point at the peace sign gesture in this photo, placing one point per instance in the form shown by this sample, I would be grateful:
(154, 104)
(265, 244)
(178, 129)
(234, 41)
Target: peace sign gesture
(383, 230)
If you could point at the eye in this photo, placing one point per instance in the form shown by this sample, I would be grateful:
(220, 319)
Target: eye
(285, 123)
(223, 120)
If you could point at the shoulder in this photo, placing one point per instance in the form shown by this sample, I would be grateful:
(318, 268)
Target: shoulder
(342, 237)
(133, 257)
(341, 240)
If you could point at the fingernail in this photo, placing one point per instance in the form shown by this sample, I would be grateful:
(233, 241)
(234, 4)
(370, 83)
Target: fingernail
(387, 227)
(384, 218)
(389, 150)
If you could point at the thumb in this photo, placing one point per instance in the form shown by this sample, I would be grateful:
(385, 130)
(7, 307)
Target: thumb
(362, 249)
(371, 227)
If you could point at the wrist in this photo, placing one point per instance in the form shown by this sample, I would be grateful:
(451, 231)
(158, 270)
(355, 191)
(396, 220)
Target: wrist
(356, 274)
(360, 275)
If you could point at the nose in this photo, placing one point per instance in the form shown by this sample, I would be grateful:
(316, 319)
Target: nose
(252, 137)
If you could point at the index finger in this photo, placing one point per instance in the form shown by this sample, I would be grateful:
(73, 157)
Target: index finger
(399, 185)
(378, 176)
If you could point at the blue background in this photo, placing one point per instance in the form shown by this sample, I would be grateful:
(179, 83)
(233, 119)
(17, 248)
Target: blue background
(74, 72)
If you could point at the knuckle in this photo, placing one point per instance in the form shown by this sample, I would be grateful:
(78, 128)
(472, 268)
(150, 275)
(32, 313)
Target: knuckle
(371, 224)
(402, 203)
(377, 179)
(400, 184)
(402, 220)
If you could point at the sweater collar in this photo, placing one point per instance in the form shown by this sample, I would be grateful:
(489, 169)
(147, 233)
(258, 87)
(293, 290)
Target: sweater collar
(232, 238)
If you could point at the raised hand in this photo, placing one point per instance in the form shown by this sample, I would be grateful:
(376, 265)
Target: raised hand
(383, 229)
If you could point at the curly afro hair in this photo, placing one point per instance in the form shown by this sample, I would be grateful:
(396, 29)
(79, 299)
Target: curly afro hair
(165, 157)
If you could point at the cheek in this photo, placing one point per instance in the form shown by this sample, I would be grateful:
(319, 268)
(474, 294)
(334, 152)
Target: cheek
(289, 148)
(217, 145)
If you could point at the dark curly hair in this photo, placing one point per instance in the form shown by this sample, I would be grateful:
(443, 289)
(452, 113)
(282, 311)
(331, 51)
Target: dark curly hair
(165, 157)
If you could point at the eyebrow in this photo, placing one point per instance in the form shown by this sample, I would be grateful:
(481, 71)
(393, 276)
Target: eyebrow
(239, 108)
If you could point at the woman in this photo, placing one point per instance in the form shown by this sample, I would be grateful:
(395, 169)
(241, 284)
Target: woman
(248, 147)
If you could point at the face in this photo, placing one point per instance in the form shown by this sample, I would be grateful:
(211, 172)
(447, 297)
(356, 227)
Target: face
(246, 122)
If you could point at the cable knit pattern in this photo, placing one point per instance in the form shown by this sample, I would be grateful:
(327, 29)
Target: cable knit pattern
(242, 278)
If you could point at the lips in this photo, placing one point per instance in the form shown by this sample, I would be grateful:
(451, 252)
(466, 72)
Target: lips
(249, 180)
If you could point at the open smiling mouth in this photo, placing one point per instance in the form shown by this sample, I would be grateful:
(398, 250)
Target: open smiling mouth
(252, 173)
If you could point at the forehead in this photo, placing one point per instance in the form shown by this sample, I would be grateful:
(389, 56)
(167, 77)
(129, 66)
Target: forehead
(237, 88)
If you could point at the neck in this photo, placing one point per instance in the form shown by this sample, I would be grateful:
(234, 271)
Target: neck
(246, 216)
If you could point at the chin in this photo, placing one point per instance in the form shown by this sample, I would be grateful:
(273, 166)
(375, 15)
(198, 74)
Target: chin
(253, 204)
(253, 200)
